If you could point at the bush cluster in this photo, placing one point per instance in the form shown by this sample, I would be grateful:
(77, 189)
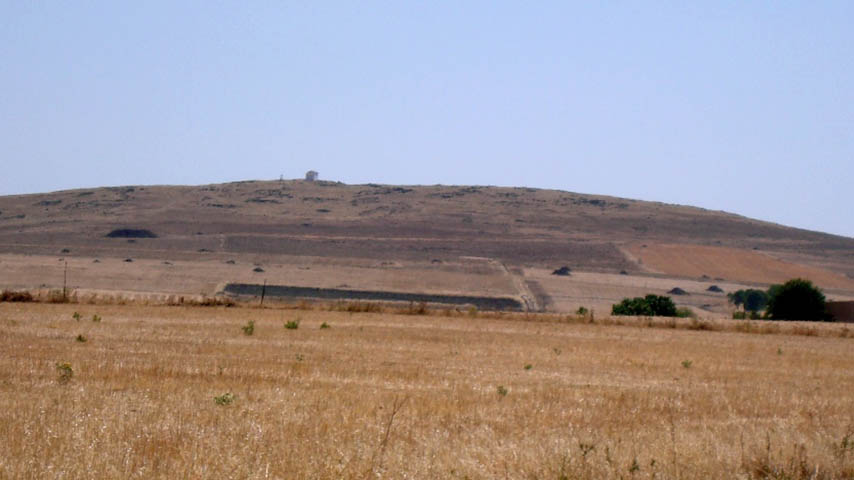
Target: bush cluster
(797, 299)
(648, 306)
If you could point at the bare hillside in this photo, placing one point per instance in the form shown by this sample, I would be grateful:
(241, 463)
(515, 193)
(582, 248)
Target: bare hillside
(415, 229)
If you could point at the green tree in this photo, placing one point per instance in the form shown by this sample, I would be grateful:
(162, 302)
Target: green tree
(753, 300)
(650, 305)
(797, 299)
(736, 298)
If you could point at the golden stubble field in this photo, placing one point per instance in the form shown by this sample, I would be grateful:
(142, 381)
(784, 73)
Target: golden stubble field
(378, 395)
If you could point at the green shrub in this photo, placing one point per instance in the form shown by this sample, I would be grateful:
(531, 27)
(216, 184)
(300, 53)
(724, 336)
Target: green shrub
(249, 328)
(503, 391)
(797, 299)
(753, 300)
(12, 296)
(649, 306)
(294, 324)
(582, 311)
(324, 325)
(96, 318)
(685, 312)
(76, 316)
(81, 338)
(65, 372)
(225, 399)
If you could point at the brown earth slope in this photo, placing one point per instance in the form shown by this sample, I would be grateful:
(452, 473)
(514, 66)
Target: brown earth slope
(216, 232)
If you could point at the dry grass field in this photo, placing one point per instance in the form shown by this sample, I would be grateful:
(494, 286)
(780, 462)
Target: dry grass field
(194, 277)
(183, 392)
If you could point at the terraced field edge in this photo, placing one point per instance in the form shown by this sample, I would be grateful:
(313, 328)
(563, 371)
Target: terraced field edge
(284, 291)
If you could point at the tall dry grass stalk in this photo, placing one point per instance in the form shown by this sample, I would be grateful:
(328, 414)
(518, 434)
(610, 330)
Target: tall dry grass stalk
(382, 395)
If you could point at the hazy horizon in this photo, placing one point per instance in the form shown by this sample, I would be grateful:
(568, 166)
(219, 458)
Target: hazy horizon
(744, 108)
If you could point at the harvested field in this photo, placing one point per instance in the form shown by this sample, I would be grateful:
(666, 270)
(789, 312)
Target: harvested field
(733, 264)
(290, 292)
(600, 291)
(166, 392)
(204, 275)
(583, 254)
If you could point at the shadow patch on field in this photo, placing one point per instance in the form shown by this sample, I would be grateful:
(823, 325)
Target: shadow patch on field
(280, 291)
(131, 233)
(544, 300)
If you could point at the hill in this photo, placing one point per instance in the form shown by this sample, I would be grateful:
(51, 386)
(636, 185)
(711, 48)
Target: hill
(473, 240)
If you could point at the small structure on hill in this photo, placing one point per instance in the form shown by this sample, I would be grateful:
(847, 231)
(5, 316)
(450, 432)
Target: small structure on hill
(311, 176)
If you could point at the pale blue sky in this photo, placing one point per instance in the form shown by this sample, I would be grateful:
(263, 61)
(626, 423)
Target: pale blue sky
(740, 106)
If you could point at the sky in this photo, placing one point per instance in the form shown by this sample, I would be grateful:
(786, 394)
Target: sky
(742, 106)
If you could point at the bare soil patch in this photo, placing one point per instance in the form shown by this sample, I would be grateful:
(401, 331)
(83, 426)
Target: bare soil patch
(732, 264)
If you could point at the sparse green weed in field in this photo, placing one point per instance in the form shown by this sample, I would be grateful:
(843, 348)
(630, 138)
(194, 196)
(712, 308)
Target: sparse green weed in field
(96, 318)
(249, 328)
(81, 338)
(225, 399)
(76, 316)
(292, 324)
(634, 467)
(324, 325)
(586, 448)
(503, 391)
(687, 363)
(65, 372)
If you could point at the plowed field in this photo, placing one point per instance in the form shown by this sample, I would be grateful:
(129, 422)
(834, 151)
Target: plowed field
(732, 264)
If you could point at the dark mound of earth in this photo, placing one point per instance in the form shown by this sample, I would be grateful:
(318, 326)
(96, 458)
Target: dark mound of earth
(677, 291)
(131, 233)
(715, 288)
(563, 271)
